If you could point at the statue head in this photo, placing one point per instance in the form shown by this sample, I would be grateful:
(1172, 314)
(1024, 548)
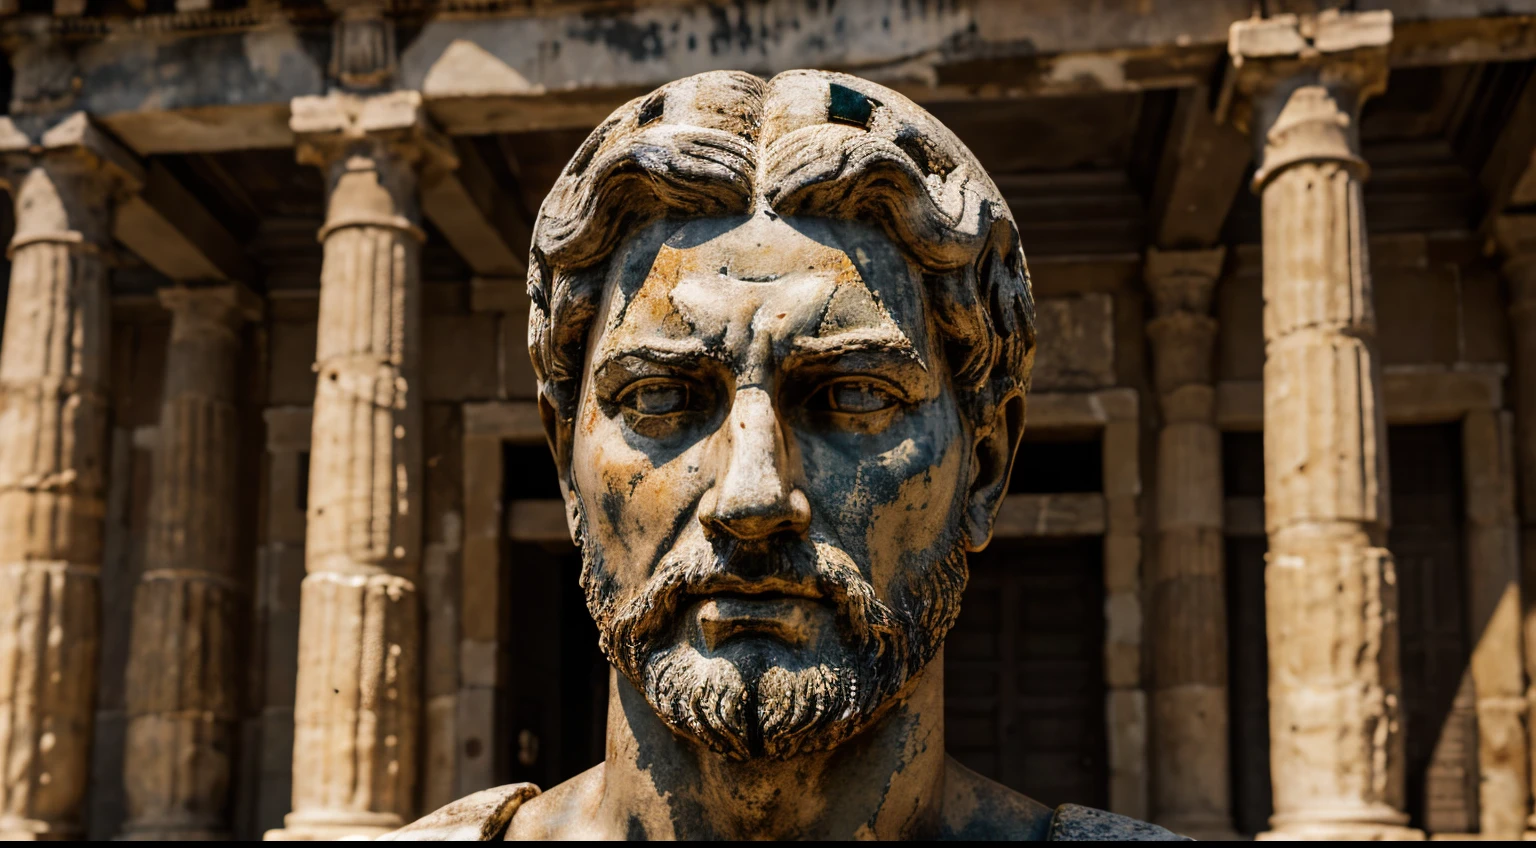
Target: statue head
(783, 332)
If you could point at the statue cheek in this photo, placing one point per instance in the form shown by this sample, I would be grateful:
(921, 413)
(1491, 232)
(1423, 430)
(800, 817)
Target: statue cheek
(920, 515)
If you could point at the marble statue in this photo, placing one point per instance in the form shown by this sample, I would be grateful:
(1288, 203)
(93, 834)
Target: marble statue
(783, 334)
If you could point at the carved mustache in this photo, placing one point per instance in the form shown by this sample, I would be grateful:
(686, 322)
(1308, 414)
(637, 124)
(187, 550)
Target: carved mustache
(814, 569)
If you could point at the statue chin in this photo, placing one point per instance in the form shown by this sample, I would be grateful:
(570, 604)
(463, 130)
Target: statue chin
(752, 704)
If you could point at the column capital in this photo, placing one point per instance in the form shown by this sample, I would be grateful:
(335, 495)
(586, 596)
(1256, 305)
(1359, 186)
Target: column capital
(331, 126)
(63, 177)
(227, 305)
(371, 149)
(1296, 84)
(1182, 280)
(26, 142)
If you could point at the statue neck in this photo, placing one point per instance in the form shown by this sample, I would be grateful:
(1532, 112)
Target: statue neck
(886, 783)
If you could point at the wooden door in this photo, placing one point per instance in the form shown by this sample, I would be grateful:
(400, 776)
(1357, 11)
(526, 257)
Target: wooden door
(1023, 670)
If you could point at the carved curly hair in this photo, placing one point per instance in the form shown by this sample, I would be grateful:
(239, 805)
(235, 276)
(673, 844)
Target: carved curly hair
(808, 143)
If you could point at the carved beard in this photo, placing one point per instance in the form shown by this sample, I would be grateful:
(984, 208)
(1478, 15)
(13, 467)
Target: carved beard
(752, 706)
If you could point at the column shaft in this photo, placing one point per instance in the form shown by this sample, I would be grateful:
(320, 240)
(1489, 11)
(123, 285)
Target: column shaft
(1520, 271)
(356, 715)
(1191, 777)
(182, 680)
(1336, 739)
(53, 418)
(1493, 590)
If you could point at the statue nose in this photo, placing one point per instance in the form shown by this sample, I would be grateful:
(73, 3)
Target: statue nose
(755, 495)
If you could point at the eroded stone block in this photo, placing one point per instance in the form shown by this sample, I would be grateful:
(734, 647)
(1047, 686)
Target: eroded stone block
(1077, 349)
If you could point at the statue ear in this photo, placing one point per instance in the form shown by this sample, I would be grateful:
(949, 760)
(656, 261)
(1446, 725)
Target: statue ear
(557, 432)
(991, 462)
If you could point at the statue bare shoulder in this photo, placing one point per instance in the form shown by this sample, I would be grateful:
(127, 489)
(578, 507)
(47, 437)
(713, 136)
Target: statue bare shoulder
(975, 809)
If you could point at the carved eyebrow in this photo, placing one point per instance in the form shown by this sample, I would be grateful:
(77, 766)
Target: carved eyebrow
(664, 351)
(884, 341)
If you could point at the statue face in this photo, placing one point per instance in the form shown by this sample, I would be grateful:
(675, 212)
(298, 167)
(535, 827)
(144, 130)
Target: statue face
(768, 469)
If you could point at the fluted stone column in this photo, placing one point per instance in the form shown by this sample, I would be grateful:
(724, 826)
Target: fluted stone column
(1493, 591)
(356, 714)
(1191, 774)
(53, 419)
(1336, 736)
(1517, 239)
(182, 674)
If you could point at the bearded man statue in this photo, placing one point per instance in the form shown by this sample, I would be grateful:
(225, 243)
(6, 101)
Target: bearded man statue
(783, 333)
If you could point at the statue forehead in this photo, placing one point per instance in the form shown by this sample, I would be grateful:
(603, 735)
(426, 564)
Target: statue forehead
(715, 278)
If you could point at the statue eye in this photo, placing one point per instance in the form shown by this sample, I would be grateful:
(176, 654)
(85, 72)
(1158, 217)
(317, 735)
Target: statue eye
(656, 397)
(858, 398)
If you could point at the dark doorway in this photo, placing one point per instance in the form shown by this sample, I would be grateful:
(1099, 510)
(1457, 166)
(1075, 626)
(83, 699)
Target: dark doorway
(1051, 466)
(1438, 706)
(1242, 465)
(556, 679)
(555, 691)
(1248, 673)
(1024, 672)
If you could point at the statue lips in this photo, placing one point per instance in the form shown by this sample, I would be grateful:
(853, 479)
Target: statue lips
(776, 608)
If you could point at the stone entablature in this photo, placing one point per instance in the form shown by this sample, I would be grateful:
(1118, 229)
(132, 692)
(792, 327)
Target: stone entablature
(485, 68)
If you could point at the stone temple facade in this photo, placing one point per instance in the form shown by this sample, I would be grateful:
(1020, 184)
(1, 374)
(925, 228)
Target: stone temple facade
(276, 517)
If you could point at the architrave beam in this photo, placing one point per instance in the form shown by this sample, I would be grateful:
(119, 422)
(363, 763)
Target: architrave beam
(1199, 177)
(174, 233)
(476, 216)
(1508, 178)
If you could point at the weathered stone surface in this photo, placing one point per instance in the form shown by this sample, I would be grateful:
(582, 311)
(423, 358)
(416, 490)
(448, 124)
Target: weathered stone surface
(183, 678)
(1336, 734)
(1188, 628)
(356, 712)
(1082, 334)
(464, 66)
(53, 422)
